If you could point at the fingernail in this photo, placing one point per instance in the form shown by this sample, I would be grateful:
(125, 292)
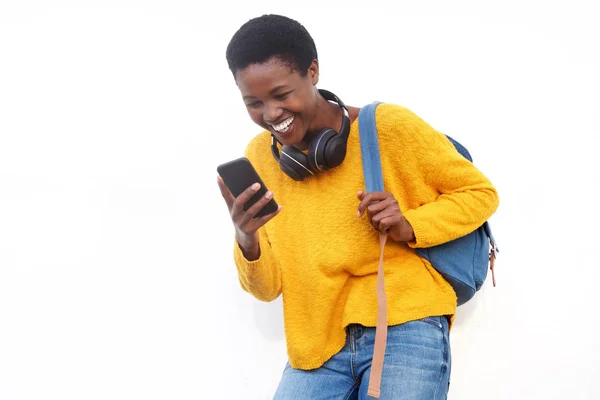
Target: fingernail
(269, 194)
(358, 214)
(255, 186)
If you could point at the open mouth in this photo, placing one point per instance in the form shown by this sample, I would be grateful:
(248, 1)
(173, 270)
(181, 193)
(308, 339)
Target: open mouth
(283, 127)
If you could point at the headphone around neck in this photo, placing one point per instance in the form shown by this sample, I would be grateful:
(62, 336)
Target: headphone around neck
(326, 149)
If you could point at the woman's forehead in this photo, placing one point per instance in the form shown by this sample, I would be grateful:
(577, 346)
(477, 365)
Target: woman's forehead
(267, 77)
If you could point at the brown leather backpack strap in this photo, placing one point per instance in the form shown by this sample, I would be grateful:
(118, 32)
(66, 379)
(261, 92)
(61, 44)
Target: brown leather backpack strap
(492, 261)
(381, 328)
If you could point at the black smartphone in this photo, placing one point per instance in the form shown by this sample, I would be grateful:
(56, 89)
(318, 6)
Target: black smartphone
(240, 174)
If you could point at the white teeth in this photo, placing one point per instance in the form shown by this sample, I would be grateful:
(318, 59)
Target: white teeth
(282, 127)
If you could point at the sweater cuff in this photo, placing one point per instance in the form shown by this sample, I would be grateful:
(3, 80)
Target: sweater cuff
(242, 261)
(419, 228)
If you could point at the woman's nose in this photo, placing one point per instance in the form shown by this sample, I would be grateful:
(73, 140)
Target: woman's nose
(272, 114)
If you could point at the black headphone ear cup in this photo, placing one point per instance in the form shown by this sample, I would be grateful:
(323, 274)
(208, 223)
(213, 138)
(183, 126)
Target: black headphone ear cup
(292, 173)
(335, 151)
(294, 163)
(316, 149)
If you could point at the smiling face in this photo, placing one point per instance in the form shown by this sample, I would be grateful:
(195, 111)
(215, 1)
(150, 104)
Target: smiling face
(278, 98)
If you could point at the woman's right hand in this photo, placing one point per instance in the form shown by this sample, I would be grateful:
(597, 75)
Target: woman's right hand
(246, 225)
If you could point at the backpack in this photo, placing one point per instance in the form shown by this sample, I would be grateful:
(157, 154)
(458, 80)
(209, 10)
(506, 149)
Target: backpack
(463, 262)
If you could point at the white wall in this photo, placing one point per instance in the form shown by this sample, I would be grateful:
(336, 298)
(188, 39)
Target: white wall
(116, 276)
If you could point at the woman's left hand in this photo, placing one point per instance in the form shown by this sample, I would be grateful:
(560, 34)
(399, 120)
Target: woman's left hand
(384, 215)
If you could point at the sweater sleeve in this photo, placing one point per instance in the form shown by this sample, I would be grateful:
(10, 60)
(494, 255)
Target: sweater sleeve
(465, 197)
(262, 277)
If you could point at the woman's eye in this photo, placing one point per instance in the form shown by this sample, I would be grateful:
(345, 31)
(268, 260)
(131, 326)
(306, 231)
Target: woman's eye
(253, 105)
(282, 96)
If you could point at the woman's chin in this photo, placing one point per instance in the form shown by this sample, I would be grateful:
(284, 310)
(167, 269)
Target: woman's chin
(291, 137)
(290, 140)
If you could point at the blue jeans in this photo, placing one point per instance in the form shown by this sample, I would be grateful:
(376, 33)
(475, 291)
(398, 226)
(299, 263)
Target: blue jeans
(416, 366)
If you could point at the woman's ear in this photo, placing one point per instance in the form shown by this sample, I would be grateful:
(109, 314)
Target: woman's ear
(313, 72)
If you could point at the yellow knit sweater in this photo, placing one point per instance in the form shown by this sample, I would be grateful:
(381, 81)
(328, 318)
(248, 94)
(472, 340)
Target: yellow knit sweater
(323, 259)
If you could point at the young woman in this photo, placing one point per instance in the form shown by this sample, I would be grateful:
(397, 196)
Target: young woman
(320, 249)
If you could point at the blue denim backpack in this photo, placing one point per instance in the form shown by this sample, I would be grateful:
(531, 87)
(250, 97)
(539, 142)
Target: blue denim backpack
(463, 262)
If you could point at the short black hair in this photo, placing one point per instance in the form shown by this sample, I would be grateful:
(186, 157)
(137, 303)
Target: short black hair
(268, 36)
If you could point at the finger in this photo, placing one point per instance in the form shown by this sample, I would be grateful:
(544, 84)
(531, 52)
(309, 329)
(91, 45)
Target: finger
(377, 207)
(260, 221)
(256, 207)
(368, 199)
(253, 224)
(246, 195)
(376, 218)
(387, 222)
(225, 192)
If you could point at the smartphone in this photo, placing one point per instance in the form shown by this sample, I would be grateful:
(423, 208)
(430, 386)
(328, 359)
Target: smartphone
(240, 174)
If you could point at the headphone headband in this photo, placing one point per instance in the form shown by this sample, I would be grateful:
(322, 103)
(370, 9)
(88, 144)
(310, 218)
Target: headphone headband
(332, 97)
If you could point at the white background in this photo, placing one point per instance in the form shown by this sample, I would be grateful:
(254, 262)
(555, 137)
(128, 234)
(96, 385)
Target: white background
(116, 275)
